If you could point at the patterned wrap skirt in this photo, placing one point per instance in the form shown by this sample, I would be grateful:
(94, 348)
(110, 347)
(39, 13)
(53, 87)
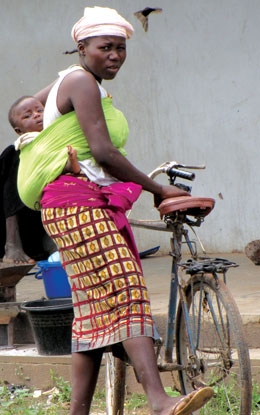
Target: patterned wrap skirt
(109, 294)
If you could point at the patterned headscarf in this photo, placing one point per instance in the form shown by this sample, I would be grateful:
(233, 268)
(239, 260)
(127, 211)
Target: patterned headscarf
(101, 21)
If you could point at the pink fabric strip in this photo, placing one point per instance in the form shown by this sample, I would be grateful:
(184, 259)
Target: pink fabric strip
(101, 21)
(117, 198)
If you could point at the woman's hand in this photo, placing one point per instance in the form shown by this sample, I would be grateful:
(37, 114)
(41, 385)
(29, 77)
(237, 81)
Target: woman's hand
(167, 192)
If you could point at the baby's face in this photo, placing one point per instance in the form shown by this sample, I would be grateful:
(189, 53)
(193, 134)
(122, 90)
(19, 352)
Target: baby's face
(28, 116)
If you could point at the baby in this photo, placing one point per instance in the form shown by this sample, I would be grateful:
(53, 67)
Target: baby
(26, 118)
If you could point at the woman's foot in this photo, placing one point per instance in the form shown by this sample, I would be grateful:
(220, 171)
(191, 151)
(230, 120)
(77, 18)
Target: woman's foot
(187, 404)
(72, 165)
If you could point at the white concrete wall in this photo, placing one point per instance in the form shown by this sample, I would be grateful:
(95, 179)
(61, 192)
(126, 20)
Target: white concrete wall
(189, 88)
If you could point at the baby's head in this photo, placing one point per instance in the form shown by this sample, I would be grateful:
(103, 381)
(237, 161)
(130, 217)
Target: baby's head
(26, 115)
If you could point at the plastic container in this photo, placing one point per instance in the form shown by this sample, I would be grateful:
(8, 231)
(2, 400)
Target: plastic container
(51, 322)
(55, 257)
(54, 278)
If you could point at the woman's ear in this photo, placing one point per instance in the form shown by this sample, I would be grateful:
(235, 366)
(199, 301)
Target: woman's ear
(81, 48)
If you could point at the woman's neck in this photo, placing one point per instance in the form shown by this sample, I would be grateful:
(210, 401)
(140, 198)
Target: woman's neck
(95, 76)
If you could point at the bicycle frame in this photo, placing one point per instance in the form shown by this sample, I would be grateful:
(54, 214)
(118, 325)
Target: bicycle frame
(175, 225)
(178, 231)
(199, 304)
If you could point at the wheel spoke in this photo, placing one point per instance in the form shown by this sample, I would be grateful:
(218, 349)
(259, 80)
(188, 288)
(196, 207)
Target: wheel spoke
(221, 358)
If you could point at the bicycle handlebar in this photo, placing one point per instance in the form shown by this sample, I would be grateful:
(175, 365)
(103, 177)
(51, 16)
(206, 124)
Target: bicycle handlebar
(172, 172)
(173, 169)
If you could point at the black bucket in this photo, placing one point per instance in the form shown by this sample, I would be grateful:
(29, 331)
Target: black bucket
(51, 322)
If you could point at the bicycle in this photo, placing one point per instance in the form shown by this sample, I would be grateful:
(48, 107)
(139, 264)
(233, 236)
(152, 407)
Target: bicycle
(204, 327)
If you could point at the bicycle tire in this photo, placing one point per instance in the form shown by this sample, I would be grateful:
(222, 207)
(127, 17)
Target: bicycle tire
(115, 385)
(213, 362)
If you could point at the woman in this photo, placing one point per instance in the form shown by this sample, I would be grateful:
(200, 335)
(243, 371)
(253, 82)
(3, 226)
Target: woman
(85, 219)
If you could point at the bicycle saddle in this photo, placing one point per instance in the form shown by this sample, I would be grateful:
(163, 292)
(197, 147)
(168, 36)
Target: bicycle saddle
(192, 206)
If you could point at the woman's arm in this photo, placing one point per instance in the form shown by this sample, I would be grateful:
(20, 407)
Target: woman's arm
(43, 94)
(80, 91)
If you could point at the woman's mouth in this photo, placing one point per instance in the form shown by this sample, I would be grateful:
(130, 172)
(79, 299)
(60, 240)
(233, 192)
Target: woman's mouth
(114, 68)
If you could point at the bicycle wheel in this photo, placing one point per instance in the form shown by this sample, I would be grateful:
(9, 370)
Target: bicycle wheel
(220, 357)
(115, 385)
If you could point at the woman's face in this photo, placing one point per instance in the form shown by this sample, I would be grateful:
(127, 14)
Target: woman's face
(103, 55)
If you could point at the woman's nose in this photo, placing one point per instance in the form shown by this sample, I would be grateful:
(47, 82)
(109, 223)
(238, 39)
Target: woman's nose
(114, 55)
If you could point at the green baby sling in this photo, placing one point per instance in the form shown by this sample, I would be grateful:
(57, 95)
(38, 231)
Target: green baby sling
(44, 159)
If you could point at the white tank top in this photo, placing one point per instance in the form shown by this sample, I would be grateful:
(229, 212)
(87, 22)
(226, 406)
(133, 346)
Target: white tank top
(93, 171)
(51, 112)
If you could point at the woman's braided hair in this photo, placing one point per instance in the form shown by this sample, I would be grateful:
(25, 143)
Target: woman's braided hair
(70, 52)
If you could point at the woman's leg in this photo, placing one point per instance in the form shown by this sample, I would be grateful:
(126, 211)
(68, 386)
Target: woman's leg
(85, 369)
(141, 352)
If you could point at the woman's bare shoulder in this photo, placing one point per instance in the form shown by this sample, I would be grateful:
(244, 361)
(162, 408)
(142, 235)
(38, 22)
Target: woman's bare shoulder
(80, 78)
(78, 91)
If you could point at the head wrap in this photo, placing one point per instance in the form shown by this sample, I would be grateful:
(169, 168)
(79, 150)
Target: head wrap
(101, 21)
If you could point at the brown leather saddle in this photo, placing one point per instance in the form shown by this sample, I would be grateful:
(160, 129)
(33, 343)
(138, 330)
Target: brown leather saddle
(191, 206)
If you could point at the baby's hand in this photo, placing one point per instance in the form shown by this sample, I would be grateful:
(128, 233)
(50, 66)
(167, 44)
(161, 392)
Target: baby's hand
(70, 152)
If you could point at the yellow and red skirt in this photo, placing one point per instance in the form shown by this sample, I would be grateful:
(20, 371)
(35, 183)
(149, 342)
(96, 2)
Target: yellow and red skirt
(109, 294)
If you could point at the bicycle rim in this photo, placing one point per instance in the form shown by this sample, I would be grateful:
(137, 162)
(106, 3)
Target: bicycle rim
(115, 385)
(221, 357)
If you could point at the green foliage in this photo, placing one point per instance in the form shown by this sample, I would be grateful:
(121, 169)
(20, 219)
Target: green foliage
(19, 400)
(227, 399)
(170, 392)
(256, 399)
(135, 401)
(63, 386)
(99, 401)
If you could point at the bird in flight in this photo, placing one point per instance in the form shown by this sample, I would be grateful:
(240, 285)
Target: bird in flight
(142, 15)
